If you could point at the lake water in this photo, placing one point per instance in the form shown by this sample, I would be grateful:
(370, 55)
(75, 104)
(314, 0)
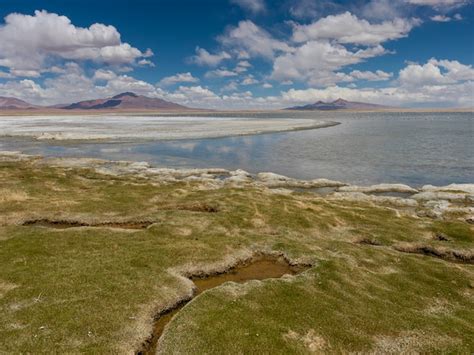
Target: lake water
(366, 148)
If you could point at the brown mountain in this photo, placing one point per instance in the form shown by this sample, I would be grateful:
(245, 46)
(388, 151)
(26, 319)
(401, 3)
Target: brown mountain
(10, 103)
(127, 101)
(338, 104)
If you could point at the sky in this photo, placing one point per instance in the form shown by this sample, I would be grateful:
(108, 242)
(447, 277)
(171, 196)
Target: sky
(240, 54)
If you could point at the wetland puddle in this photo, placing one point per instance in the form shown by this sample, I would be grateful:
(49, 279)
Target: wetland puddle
(258, 269)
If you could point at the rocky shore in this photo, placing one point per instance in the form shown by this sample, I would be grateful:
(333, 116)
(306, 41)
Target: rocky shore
(428, 200)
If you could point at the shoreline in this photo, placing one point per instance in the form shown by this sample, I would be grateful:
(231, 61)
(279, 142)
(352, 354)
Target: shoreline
(435, 200)
(143, 129)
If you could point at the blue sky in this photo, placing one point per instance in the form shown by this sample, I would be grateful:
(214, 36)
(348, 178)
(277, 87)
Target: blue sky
(240, 53)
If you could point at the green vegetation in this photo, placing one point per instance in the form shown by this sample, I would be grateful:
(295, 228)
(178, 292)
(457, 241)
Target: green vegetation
(96, 289)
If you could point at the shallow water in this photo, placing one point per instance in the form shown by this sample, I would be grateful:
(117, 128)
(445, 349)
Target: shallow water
(260, 269)
(366, 148)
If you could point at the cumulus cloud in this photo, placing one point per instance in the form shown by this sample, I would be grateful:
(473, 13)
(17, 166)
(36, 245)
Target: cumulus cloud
(316, 62)
(249, 38)
(378, 75)
(439, 3)
(28, 42)
(444, 18)
(102, 74)
(254, 6)
(203, 57)
(436, 72)
(220, 73)
(314, 53)
(249, 80)
(74, 85)
(348, 28)
(440, 18)
(323, 48)
(179, 78)
(383, 9)
(242, 66)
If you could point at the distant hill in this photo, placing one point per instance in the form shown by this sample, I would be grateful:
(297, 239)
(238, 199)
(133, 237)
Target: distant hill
(126, 100)
(338, 104)
(11, 103)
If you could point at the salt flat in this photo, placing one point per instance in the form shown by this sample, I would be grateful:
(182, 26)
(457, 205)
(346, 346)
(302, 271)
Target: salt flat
(113, 127)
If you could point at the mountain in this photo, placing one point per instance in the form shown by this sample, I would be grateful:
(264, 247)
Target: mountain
(126, 100)
(338, 104)
(10, 103)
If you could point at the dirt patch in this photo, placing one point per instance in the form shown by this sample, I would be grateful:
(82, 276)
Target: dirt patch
(199, 207)
(464, 256)
(65, 224)
(441, 237)
(261, 268)
(368, 241)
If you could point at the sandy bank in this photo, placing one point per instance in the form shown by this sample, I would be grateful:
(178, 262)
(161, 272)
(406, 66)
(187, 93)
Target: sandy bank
(146, 128)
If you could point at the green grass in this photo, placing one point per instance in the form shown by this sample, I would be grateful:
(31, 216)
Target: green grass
(95, 289)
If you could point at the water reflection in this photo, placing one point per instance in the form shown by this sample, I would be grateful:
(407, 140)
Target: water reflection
(417, 149)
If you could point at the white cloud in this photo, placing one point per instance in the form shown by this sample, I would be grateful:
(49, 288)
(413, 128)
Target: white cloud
(231, 86)
(435, 72)
(249, 80)
(317, 62)
(378, 75)
(25, 73)
(440, 18)
(146, 62)
(242, 66)
(179, 78)
(267, 86)
(102, 74)
(73, 85)
(220, 73)
(203, 57)
(254, 6)
(444, 18)
(347, 28)
(439, 3)
(253, 40)
(28, 42)
(383, 9)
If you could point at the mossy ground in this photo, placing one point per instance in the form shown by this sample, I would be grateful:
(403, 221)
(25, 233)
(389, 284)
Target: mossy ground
(95, 289)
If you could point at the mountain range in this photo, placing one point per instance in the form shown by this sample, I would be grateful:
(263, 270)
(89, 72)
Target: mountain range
(10, 103)
(131, 101)
(123, 101)
(338, 104)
